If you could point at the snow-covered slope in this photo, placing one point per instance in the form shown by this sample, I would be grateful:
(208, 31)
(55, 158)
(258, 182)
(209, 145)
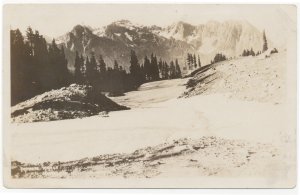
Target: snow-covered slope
(233, 123)
(187, 157)
(253, 78)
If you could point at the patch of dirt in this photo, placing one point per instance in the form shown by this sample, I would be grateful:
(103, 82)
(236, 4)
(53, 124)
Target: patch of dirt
(207, 156)
(75, 101)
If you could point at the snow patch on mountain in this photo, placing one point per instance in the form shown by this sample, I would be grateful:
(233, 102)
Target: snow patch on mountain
(128, 36)
(100, 31)
(115, 40)
(127, 24)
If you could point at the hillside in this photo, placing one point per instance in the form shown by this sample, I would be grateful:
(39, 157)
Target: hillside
(75, 101)
(252, 78)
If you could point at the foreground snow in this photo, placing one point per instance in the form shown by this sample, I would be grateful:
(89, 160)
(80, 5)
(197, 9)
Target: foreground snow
(164, 122)
(125, 131)
(253, 143)
(207, 156)
(205, 135)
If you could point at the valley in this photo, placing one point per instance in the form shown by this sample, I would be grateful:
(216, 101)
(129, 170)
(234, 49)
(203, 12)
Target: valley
(207, 132)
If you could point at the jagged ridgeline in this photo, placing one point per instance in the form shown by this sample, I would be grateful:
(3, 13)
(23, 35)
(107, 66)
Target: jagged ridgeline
(121, 56)
(38, 66)
(115, 41)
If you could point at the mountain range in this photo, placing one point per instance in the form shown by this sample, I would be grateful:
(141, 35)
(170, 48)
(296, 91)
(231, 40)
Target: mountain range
(115, 41)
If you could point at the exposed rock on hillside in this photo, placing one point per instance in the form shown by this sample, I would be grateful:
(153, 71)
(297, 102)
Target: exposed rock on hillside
(75, 101)
(207, 156)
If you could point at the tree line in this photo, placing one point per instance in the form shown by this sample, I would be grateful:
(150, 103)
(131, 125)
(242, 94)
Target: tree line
(192, 62)
(116, 81)
(37, 67)
(250, 52)
(218, 58)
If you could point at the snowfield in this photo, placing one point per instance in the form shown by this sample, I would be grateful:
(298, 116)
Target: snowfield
(206, 133)
(251, 78)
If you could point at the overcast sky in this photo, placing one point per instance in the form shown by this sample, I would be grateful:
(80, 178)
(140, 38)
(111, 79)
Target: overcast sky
(56, 20)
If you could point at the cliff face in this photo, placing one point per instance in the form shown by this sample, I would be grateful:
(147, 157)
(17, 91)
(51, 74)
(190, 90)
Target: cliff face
(115, 41)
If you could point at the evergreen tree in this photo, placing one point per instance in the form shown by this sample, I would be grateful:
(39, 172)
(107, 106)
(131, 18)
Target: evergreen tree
(102, 65)
(43, 71)
(172, 70)
(274, 51)
(165, 71)
(147, 69)
(160, 66)
(63, 64)
(116, 65)
(194, 61)
(35, 66)
(218, 58)
(30, 40)
(54, 72)
(51, 79)
(115, 80)
(143, 73)
(154, 68)
(199, 62)
(19, 67)
(252, 52)
(265, 44)
(134, 70)
(244, 53)
(91, 70)
(134, 65)
(248, 52)
(189, 62)
(177, 69)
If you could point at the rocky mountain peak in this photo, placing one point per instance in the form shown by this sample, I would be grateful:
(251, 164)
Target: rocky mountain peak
(115, 40)
(122, 23)
(80, 30)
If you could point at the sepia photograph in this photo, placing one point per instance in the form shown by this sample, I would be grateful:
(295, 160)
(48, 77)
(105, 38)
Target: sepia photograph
(150, 96)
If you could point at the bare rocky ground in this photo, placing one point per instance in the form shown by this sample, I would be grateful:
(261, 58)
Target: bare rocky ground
(193, 157)
(75, 101)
